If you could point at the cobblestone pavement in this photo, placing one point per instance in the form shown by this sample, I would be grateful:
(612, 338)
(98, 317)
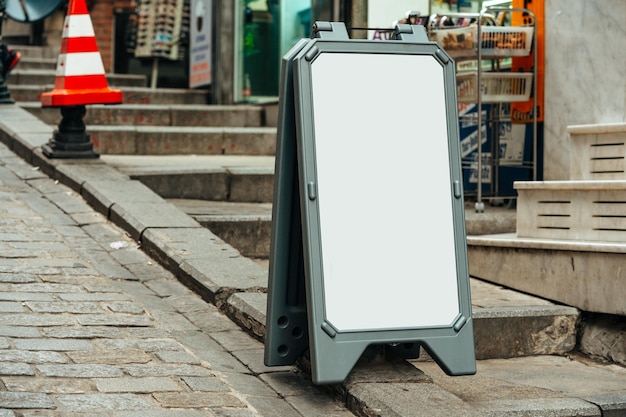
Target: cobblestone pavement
(90, 325)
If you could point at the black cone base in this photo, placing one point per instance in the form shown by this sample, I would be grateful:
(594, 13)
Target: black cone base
(70, 139)
(65, 145)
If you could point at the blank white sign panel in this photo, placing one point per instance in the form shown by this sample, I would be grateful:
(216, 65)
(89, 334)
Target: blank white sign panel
(384, 191)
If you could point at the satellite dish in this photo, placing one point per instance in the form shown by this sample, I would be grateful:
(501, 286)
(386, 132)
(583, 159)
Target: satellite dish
(28, 11)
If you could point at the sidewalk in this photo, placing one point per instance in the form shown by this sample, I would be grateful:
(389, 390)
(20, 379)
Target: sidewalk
(91, 324)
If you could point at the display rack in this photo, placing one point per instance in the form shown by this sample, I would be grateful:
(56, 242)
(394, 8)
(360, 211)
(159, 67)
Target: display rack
(489, 44)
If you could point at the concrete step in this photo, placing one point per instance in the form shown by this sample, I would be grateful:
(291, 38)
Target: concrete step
(130, 94)
(48, 76)
(230, 178)
(27, 62)
(183, 140)
(159, 115)
(38, 52)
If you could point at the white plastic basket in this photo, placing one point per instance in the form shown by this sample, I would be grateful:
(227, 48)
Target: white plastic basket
(506, 40)
(499, 41)
(496, 87)
(457, 42)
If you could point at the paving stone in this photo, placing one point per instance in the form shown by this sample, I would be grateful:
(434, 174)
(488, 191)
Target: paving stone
(146, 333)
(212, 384)
(16, 369)
(6, 413)
(137, 385)
(20, 400)
(105, 234)
(64, 307)
(148, 271)
(289, 383)
(111, 357)
(105, 264)
(199, 399)
(31, 357)
(209, 350)
(33, 247)
(318, 405)
(248, 384)
(52, 288)
(148, 345)
(9, 295)
(11, 307)
(166, 369)
(235, 340)
(39, 320)
(253, 359)
(30, 270)
(95, 402)
(114, 320)
(210, 320)
(189, 302)
(100, 286)
(125, 307)
(177, 357)
(18, 278)
(272, 406)
(104, 296)
(171, 320)
(82, 332)
(136, 289)
(237, 412)
(80, 371)
(58, 345)
(88, 218)
(166, 288)
(4, 343)
(143, 296)
(47, 385)
(160, 345)
(165, 413)
(132, 255)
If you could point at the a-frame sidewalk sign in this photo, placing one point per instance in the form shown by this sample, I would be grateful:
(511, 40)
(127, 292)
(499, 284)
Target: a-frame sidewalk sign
(368, 237)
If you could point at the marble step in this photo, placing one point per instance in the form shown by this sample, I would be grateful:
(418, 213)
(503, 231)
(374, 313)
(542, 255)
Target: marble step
(598, 151)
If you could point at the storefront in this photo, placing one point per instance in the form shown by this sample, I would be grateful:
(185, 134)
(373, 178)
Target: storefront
(266, 29)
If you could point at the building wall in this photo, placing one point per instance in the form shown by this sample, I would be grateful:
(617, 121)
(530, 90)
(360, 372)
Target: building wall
(101, 13)
(585, 73)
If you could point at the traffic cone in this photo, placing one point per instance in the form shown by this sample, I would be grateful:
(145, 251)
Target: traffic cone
(80, 77)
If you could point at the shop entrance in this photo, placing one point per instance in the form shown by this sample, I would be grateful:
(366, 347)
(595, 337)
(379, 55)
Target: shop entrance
(267, 29)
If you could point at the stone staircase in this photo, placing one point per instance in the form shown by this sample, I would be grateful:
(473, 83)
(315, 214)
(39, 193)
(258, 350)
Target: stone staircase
(216, 164)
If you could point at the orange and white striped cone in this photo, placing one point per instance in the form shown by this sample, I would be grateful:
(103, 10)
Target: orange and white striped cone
(80, 76)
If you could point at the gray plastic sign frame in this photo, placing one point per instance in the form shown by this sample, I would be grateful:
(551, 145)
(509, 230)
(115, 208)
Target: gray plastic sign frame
(368, 240)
